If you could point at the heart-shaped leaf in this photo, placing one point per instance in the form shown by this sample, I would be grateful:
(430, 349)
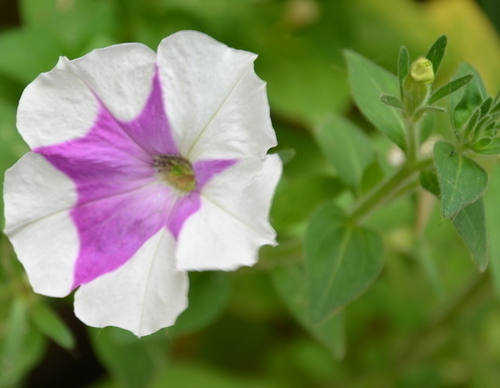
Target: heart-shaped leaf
(343, 260)
(470, 223)
(461, 180)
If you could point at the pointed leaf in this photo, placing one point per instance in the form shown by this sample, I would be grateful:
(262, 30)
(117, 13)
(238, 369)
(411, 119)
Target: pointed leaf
(427, 108)
(449, 88)
(496, 108)
(387, 99)
(470, 223)
(476, 85)
(368, 82)
(492, 149)
(461, 180)
(347, 148)
(291, 283)
(464, 101)
(481, 144)
(17, 324)
(51, 325)
(469, 130)
(22, 348)
(437, 51)
(429, 181)
(343, 260)
(403, 66)
(486, 105)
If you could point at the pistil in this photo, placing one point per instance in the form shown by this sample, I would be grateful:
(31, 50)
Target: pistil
(176, 171)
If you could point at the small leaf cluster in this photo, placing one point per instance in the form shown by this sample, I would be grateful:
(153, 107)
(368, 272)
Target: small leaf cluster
(475, 116)
(415, 82)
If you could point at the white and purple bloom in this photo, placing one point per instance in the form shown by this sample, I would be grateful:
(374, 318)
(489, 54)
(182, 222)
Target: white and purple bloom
(143, 166)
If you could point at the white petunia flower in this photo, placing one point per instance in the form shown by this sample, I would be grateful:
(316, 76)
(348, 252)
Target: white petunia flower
(143, 167)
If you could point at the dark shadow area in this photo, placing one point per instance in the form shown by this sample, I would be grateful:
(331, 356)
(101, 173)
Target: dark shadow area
(61, 368)
(9, 14)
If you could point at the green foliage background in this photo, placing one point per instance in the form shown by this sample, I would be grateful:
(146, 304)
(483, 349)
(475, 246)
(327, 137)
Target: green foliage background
(430, 320)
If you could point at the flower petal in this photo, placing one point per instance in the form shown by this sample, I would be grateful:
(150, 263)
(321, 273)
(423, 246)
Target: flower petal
(38, 223)
(103, 163)
(216, 104)
(120, 76)
(241, 127)
(57, 106)
(113, 229)
(34, 189)
(232, 222)
(144, 295)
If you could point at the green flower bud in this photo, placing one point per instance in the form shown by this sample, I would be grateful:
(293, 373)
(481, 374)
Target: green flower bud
(421, 70)
(416, 86)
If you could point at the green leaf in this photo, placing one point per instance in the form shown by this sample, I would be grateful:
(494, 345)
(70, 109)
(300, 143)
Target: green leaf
(21, 348)
(291, 283)
(403, 66)
(461, 180)
(387, 99)
(208, 295)
(481, 144)
(343, 260)
(296, 199)
(51, 325)
(427, 108)
(368, 83)
(429, 181)
(17, 325)
(470, 129)
(464, 101)
(492, 149)
(485, 106)
(449, 88)
(347, 148)
(374, 174)
(135, 362)
(437, 51)
(470, 223)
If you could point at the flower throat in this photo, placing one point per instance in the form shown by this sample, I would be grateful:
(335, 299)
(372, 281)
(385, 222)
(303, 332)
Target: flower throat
(176, 171)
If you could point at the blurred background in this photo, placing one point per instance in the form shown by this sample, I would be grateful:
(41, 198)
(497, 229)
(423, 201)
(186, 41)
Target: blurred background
(430, 320)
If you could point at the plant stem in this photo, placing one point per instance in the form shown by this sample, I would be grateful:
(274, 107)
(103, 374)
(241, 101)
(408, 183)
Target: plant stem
(387, 189)
(412, 141)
